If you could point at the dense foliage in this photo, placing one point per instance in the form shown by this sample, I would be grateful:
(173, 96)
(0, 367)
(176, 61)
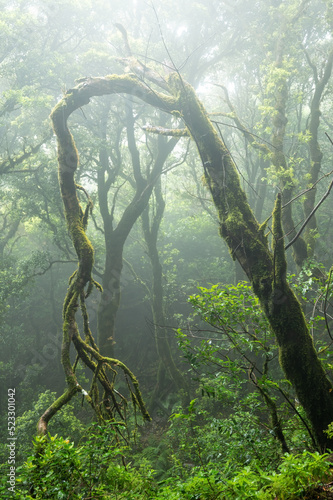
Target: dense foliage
(176, 308)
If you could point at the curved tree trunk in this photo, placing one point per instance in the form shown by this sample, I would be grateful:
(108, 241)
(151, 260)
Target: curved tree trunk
(81, 285)
(265, 268)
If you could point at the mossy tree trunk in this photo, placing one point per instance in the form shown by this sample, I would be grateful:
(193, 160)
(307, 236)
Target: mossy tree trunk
(81, 285)
(275, 98)
(266, 268)
(279, 82)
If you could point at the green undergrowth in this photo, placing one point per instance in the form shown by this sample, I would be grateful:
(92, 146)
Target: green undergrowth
(100, 469)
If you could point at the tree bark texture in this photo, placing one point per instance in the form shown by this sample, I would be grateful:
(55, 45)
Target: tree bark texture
(265, 269)
(246, 239)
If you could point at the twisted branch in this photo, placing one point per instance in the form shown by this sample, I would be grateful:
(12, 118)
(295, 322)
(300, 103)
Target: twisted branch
(81, 283)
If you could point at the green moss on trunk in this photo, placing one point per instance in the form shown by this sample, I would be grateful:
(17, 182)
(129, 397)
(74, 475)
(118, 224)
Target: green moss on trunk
(266, 270)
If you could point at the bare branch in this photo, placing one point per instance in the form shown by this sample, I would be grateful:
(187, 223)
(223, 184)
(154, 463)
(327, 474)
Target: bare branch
(310, 215)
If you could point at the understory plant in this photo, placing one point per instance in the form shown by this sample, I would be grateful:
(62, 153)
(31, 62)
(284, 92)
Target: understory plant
(60, 470)
(95, 471)
(234, 356)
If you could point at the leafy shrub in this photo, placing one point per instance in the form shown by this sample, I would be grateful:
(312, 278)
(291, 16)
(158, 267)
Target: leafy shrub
(297, 474)
(238, 439)
(59, 470)
(65, 419)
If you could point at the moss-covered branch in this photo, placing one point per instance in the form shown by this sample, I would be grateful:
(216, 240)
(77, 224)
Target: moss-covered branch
(238, 226)
(81, 282)
(265, 268)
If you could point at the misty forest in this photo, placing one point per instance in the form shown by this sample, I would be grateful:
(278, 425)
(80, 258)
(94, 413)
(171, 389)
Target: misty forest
(166, 230)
